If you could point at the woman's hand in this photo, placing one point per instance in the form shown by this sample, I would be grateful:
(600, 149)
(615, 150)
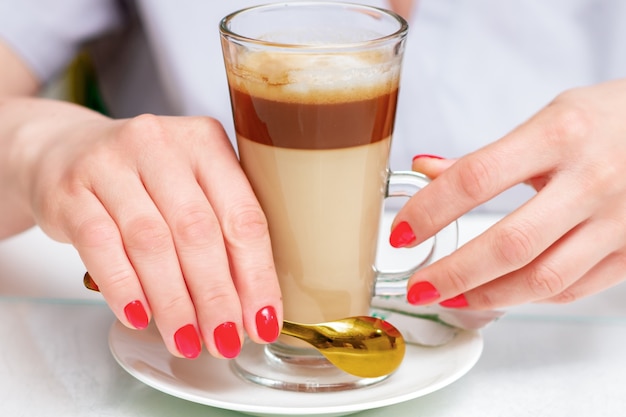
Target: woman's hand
(567, 242)
(161, 214)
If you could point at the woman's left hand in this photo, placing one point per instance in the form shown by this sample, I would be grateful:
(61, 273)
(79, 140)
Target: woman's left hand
(567, 242)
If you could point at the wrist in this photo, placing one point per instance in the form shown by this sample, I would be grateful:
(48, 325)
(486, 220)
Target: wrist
(30, 128)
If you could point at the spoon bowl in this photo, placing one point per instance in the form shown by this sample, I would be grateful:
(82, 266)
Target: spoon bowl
(363, 346)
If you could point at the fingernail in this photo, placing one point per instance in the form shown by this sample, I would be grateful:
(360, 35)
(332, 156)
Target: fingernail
(188, 341)
(401, 235)
(267, 324)
(89, 283)
(227, 339)
(425, 155)
(136, 314)
(422, 293)
(455, 302)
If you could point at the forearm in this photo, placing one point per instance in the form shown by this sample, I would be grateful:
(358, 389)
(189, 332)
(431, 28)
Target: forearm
(27, 126)
(16, 80)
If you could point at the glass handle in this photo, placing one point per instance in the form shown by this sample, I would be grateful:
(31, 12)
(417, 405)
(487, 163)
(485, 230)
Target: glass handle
(406, 184)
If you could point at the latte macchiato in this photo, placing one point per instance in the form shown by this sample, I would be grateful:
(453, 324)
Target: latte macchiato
(314, 134)
(313, 88)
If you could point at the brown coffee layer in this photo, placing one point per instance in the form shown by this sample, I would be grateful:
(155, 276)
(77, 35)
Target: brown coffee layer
(314, 126)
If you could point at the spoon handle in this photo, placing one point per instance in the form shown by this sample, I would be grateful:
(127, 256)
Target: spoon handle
(299, 331)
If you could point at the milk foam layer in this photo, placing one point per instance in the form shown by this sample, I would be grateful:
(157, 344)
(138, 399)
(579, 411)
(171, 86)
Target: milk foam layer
(314, 78)
(320, 37)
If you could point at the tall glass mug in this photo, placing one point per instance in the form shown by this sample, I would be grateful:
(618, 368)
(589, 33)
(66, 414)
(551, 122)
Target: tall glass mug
(313, 88)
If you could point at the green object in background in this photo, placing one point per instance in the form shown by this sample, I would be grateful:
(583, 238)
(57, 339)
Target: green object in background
(83, 84)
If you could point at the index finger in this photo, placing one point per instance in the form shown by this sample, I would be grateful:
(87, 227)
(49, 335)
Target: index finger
(478, 177)
(532, 150)
(507, 246)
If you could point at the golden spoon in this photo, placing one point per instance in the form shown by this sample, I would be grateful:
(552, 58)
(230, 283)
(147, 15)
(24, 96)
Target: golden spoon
(363, 346)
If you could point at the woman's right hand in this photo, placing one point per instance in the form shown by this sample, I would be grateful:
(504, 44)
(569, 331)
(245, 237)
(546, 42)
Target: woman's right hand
(160, 212)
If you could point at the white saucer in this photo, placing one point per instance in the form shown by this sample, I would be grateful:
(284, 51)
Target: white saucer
(210, 381)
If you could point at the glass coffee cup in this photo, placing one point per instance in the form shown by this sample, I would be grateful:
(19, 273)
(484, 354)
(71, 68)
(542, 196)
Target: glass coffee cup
(314, 88)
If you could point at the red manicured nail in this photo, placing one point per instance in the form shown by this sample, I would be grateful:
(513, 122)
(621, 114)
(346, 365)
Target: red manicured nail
(425, 155)
(422, 293)
(188, 341)
(267, 324)
(401, 235)
(136, 314)
(227, 339)
(455, 302)
(89, 283)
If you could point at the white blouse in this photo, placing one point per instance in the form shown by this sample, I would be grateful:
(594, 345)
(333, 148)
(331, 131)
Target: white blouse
(474, 69)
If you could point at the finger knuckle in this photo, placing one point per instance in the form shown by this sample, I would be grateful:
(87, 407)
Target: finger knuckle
(264, 276)
(95, 232)
(619, 258)
(194, 224)
(245, 223)
(429, 218)
(145, 123)
(147, 234)
(456, 279)
(544, 281)
(170, 306)
(597, 176)
(144, 130)
(220, 294)
(513, 246)
(210, 125)
(116, 282)
(484, 300)
(603, 176)
(259, 277)
(478, 181)
(569, 120)
(565, 297)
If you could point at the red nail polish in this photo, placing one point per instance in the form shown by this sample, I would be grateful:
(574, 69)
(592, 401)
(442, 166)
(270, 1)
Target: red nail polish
(267, 324)
(422, 293)
(89, 283)
(401, 235)
(188, 341)
(425, 155)
(227, 339)
(455, 302)
(136, 314)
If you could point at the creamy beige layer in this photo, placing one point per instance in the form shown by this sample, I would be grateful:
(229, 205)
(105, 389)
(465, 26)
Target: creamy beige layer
(323, 208)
